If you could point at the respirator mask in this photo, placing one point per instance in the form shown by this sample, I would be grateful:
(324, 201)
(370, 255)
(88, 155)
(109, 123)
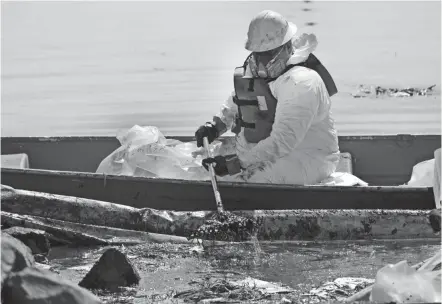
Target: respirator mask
(270, 64)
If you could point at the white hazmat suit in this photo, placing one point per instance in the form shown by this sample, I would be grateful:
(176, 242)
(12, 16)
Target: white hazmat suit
(303, 145)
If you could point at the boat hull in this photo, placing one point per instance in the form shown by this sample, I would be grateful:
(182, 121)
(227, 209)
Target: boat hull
(65, 166)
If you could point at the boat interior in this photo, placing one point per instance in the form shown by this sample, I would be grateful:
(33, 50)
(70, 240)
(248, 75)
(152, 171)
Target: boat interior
(377, 160)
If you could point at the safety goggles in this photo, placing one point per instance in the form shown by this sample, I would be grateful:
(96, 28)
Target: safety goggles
(267, 56)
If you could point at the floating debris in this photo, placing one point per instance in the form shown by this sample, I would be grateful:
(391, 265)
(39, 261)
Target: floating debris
(225, 291)
(339, 289)
(365, 91)
(227, 226)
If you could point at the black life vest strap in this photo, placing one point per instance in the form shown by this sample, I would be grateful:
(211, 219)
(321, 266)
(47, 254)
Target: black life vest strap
(311, 63)
(247, 61)
(241, 122)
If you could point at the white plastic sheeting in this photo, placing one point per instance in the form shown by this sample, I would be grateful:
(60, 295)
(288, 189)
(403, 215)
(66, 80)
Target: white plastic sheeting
(437, 179)
(422, 174)
(145, 152)
(400, 283)
(428, 174)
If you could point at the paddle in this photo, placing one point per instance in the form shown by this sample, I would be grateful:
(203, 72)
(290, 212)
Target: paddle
(223, 225)
(219, 204)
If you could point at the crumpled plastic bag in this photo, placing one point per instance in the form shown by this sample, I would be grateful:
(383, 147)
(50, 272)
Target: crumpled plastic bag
(422, 174)
(263, 286)
(400, 283)
(343, 179)
(437, 178)
(340, 288)
(145, 152)
(428, 174)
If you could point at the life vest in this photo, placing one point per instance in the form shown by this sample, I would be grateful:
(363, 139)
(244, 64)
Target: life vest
(257, 105)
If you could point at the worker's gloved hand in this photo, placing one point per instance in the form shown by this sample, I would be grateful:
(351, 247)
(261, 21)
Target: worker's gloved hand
(219, 165)
(208, 130)
(223, 165)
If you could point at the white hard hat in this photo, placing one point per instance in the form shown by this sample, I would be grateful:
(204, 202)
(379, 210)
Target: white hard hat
(269, 30)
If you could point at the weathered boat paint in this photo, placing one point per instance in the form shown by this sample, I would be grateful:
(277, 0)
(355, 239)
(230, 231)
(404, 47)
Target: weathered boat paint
(169, 194)
(277, 225)
(64, 165)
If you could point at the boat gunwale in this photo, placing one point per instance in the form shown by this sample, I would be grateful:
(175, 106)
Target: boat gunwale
(222, 184)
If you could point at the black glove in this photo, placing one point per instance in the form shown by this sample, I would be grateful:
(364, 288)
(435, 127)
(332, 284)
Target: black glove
(208, 130)
(220, 165)
(223, 165)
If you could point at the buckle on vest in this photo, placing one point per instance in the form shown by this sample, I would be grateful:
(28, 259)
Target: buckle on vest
(251, 85)
(245, 102)
(249, 125)
(242, 123)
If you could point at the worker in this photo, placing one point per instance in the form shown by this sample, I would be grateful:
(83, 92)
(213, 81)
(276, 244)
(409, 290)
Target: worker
(279, 110)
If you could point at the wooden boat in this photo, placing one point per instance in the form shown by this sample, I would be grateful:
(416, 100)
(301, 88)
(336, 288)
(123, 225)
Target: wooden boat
(66, 166)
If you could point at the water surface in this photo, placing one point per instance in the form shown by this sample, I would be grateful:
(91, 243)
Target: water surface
(91, 68)
(167, 269)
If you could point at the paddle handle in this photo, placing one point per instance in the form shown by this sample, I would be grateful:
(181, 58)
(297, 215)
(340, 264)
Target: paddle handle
(219, 204)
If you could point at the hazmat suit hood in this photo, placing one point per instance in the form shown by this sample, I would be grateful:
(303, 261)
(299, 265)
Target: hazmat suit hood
(303, 46)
